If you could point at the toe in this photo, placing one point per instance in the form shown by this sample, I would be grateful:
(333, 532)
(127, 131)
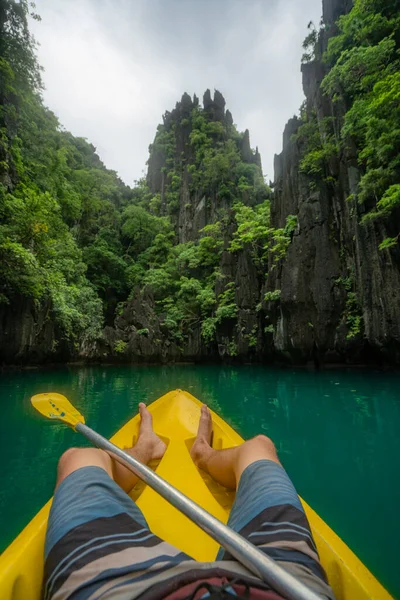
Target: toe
(205, 424)
(146, 420)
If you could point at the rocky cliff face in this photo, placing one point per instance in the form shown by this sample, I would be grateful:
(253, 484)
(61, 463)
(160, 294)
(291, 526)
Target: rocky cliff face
(28, 334)
(340, 295)
(196, 205)
(192, 203)
(334, 297)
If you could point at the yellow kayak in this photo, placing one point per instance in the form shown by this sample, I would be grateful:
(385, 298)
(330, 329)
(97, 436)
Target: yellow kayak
(175, 420)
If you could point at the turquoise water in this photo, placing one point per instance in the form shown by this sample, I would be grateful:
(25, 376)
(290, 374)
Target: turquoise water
(337, 434)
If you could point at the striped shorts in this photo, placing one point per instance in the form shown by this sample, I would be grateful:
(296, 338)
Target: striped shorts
(98, 544)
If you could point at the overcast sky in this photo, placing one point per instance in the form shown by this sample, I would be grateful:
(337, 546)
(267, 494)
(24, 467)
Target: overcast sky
(113, 67)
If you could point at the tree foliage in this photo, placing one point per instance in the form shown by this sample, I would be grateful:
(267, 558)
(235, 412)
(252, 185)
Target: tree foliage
(74, 238)
(56, 197)
(364, 74)
(363, 78)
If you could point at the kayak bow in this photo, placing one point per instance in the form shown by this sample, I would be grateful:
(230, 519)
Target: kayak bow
(175, 420)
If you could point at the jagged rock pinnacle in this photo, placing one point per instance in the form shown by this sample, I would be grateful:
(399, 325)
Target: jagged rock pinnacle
(214, 107)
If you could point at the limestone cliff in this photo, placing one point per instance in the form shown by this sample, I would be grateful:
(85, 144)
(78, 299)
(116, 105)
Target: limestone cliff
(195, 196)
(329, 294)
(196, 204)
(334, 275)
(29, 335)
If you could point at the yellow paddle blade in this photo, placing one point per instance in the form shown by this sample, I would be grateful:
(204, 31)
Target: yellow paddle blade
(56, 406)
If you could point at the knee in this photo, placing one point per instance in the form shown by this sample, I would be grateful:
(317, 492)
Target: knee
(258, 448)
(263, 441)
(71, 455)
(75, 458)
(70, 458)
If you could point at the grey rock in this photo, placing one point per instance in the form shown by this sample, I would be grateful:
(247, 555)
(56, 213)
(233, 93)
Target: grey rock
(28, 334)
(328, 246)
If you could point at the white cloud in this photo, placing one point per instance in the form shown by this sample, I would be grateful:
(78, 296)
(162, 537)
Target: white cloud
(112, 68)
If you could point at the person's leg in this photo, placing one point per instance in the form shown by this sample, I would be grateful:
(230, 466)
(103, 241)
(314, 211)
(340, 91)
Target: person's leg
(97, 538)
(267, 510)
(226, 466)
(148, 447)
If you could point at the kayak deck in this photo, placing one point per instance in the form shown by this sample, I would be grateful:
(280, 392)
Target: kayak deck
(175, 420)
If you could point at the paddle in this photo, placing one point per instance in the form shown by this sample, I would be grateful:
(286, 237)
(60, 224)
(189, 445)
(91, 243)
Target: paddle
(56, 406)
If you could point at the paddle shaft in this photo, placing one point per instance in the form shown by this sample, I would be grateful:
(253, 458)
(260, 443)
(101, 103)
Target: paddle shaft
(250, 556)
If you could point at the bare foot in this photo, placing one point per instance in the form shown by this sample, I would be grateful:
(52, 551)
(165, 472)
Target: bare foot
(154, 445)
(201, 449)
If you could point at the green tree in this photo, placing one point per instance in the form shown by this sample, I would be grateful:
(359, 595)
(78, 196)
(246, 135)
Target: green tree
(364, 74)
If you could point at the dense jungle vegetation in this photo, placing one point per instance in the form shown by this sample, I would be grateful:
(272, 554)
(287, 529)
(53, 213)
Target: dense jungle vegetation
(74, 237)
